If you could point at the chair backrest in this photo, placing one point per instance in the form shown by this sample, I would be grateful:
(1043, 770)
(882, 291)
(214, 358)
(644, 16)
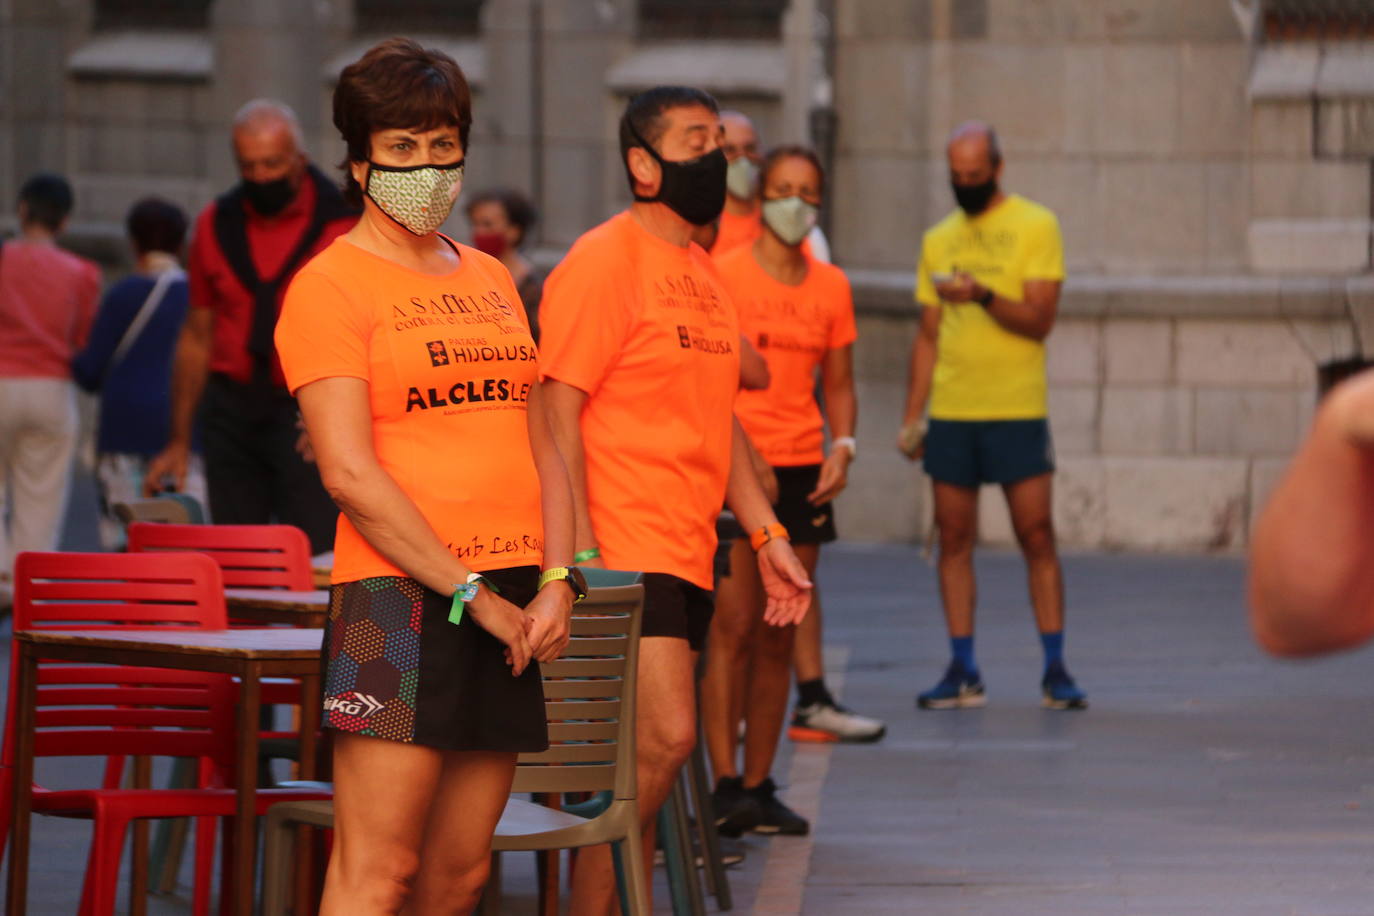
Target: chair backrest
(589, 698)
(155, 509)
(249, 556)
(112, 710)
(103, 590)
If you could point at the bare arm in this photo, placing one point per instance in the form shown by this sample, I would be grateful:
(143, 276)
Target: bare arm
(1032, 316)
(190, 368)
(784, 578)
(923, 352)
(841, 408)
(563, 404)
(1312, 558)
(551, 610)
(753, 368)
(338, 418)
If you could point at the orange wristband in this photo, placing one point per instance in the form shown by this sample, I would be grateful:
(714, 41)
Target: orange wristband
(766, 534)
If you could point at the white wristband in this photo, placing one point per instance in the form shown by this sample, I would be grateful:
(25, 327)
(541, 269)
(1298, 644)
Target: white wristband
(846, 442)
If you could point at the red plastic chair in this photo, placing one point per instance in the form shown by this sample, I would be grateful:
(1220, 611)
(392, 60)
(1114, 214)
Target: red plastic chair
(249, 556)
(114, 711)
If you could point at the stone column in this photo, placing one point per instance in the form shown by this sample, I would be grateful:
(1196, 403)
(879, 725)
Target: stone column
(266, 48)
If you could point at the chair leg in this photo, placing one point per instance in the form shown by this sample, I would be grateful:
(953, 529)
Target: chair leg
(635, 901)
(107, 848)
(203, 875)
(676, 840)
(276, 877)
(717, 883)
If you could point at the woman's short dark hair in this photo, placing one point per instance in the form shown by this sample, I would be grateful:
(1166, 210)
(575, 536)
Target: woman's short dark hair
(156, 225)
(644, 116)
(520, 213)
(398, 84)
(790, 151)
(47, 198)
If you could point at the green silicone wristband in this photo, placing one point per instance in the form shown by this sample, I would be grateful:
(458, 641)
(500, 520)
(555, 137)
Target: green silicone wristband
(591, 553)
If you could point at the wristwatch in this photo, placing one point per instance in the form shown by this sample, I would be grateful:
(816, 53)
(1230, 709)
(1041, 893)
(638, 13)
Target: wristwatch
(569, 574)
(986, 299)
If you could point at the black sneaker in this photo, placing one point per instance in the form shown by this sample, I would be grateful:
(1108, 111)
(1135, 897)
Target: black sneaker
(775, 817)
(732, 852)
(736, 810)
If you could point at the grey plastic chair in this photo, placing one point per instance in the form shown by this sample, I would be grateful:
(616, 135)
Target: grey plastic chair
(589, 695)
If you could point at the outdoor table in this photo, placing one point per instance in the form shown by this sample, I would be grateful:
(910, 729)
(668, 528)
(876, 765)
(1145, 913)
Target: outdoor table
(249, 654)
(278, 605)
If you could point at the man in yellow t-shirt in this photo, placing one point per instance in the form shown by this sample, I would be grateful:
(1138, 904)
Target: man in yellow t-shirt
(988, 281)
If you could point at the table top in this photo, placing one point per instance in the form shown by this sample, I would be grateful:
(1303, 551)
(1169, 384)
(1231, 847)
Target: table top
(277, 599)
(254, 643)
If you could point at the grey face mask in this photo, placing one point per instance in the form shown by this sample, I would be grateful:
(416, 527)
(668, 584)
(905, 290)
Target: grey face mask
(740, 176)
(790, 218)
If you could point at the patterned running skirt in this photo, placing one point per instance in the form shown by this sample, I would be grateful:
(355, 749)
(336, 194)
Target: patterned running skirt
(396, 668)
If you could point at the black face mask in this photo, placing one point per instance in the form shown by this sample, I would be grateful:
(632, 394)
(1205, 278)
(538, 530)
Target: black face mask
(973, 198)
(269, 197)
(695, 189)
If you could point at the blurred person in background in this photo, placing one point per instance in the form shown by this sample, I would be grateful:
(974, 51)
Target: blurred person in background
(739, 221)
(47, 303)
(799, 313)
(1312, 554)
(245, 248)
(988, 283)
(128, 361)
(501, 220)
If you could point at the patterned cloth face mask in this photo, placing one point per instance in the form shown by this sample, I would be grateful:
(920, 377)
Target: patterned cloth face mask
(418, 197)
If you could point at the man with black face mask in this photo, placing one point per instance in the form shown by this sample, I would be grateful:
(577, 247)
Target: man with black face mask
(988, 281)
(247, 245)
(640, 362)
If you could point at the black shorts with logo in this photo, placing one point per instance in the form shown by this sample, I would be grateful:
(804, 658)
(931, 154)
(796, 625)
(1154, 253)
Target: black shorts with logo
(967, 453)
(395, 668)
(805, 523)
(676, 608)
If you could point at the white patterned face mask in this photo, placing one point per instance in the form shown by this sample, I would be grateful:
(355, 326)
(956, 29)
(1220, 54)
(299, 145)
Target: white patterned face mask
(419, 197)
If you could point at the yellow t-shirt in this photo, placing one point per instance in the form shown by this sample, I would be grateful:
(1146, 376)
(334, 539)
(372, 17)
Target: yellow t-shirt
(982, 370)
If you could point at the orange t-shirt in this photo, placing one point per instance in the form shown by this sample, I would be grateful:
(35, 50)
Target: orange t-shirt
(646, 329)
(793, 327)
(735, 231)
(450, 364)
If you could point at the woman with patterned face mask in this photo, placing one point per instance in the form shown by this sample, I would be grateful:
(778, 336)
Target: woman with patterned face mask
(411, 358)
(798, 312)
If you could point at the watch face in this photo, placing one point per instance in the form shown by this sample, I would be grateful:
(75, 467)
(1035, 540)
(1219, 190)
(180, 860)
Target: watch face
(579, 582)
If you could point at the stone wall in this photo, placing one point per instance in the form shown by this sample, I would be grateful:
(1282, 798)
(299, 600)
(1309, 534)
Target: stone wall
(1173, 415)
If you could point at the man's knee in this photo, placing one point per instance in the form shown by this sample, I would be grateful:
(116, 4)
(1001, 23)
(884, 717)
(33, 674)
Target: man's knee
(668, 742)
(956, 540)
(1036, 537)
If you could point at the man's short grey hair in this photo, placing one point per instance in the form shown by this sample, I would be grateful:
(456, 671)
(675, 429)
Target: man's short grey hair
(269, 112)
(984, 129)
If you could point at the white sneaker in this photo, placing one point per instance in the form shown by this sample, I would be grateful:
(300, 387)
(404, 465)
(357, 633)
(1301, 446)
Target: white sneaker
(831, 722)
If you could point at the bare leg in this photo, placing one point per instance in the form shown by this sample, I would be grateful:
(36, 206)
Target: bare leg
(738, 617)
(956, 515)
(807, 656)
(1031, 516)
(665, 734)
(379, 821)
(456, 857)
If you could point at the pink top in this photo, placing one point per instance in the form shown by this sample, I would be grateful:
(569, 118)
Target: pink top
(48, 299)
